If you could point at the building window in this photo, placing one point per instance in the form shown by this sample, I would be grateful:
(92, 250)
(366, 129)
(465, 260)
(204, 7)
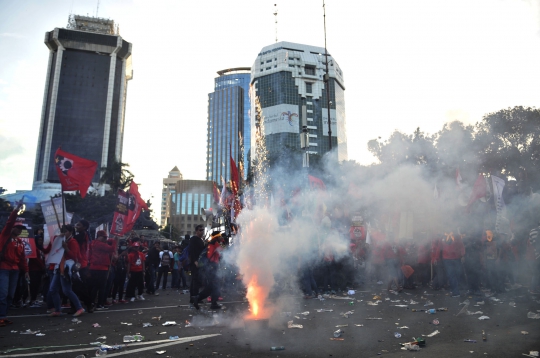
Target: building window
(268, 61)
(309, 87)
(310, 70)
(268, 68)
(183, 204)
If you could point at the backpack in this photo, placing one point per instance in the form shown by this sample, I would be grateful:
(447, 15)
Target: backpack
(184, 258)
(203, 258)
(165, 258)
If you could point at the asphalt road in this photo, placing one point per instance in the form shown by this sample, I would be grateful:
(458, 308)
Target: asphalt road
(226, 334)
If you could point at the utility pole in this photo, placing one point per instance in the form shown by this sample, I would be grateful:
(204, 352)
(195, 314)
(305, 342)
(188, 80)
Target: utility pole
(327, 82)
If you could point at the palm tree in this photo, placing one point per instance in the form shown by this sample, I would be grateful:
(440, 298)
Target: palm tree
(116, 175)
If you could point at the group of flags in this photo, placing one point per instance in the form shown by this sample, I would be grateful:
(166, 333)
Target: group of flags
(76, 173)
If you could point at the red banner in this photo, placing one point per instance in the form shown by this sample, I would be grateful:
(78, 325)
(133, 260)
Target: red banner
(118, 226)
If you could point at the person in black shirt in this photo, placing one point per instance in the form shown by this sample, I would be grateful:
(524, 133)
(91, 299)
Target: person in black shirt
(196, 246)
(152, 263)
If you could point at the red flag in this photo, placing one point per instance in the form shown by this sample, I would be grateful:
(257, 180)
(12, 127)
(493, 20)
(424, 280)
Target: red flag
(234, 174)
(75, 173)
(479, 190)
(136, 203)
(316, 183)
(216, 193)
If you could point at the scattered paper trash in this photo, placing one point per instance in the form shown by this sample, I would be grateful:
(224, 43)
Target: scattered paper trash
(160, 352)
(533, 315)
(102, 338)
(158, 318)
(359, 325)
(351, 292)
(342, 325)
(524, 332)
(29, 331)
(410, 347)
(401, 305)
(96, 325)
(76, 321)
(147, 325)
(169, 323)
(159, 333)
(413, 302)
(126, 323)
(433, 334)
(533, 353)
(319, 310)
(397, 334)
(172, 338)
(290, 324)
(428, 303)
(403, 327)
(40, 334)
(347, 314)
(304, 313)
(469, 313)
(481, 318)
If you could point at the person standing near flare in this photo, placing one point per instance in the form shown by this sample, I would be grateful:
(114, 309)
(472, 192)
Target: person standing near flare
(211, 284)
(100, 259)
(135, 272)
(81, 288)
(453, 252)
(13, 260)
(196, 246)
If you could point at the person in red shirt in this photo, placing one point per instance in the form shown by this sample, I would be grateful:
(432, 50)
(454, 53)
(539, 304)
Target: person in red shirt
(81, 287)
(62, 276)
(36, 268)
(13, 261)
(135, 271)
(393, 257)
(453, 251)
(100, 254)
(423, 262)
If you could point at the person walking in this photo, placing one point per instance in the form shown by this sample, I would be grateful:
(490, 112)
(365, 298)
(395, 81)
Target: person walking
(100, 254)
(152, 264)
(61, 279)
(135, 272)
(13, 260)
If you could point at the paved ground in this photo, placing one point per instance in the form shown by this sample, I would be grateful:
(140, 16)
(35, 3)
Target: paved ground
(235, 338)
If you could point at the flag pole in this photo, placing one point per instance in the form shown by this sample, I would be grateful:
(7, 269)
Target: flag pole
(63, 207)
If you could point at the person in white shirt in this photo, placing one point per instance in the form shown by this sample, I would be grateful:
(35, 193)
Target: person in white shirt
(166, 261)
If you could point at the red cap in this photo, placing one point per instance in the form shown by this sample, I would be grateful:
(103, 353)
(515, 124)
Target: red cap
(136, 244)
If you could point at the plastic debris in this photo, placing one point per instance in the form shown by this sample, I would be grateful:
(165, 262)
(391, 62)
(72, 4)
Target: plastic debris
(433, 334)
(495, 299)
(347, 314)
(297, 317)
(533, 353)
(172, 338)
(435, 322)
(431, 311)
(410, 347)
(135, 338)
(304, 313)
(524, 332)
(127, 324)
(413, 302)
(372, 318)
(40, 334)
(147, 325)
(397, 334)
(351, 292)
(469, 313)
(513, 304)
(338, 333)
(290, 324)
(280, 348)
(401, 305)
(403, 327)
(96, 325)
(160, 333)
(533, 315)
(342, 325)
(371, 303)
(463, 310)
(160, 352)
(481, 318)
(158, 318)
(169, 323)
(29, 331)
(470, 340)
(428, 303)
(101, 338)
(322, 310)
(188, 324)
(359, 325)
(466, 302)
(394, 300)
(76, 321)
(320, 298)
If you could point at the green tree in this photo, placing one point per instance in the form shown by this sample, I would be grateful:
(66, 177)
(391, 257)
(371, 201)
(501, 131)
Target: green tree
(116, 175)
(170, 232)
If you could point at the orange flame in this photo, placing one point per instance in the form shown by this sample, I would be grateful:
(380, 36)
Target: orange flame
(256, 296)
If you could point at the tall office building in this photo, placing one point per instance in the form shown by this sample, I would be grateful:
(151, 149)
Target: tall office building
(85, 95)
(228, 121)
(285, 77)
(169, 184)
(186, 203)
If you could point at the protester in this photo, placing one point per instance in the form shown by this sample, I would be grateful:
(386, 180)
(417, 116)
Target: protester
(82, 287)
(533, 259)
(120, 277)
(196, 246)
(393, 257)
(210, 270)
(135, 270)
(453, 251)
(100, 255)
(12, 260)
(166, 261)
(491, 260)
(36, 268)
(62, 273)
(177, 270)
(473, 261)
(152, 264)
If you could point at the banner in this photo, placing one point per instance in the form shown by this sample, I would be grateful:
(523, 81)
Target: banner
(29, 247)
(75, 173)
(57, 251)
(282, 118)
(498, 187)
(52, 212)
(118, 226)
(325, 122)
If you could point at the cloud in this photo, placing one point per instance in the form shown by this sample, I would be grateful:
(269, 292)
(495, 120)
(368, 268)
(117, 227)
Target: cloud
(9, 147)
(3, 82)
(12, 35)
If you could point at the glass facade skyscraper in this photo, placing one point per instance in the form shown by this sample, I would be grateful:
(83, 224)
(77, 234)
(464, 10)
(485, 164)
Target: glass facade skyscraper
(85, 95)
(286, 77)
(228, 121)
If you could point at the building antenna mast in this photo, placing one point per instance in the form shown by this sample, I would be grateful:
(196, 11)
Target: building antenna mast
(97, 9)
(327, 82)
(275, 16)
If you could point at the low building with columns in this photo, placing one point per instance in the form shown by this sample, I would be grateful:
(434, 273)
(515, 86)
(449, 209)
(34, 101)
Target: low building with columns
(85, 96)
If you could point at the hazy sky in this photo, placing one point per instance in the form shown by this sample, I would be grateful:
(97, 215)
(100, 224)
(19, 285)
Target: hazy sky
(406, 64)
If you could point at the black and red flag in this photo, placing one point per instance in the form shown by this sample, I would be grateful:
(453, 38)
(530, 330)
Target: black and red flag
(75, 173)
(235, 181)
(136, 203)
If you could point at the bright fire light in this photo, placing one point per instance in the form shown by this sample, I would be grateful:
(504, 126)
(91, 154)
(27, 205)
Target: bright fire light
(254, 296)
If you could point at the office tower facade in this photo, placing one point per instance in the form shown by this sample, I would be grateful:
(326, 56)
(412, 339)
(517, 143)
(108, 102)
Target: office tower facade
(85, 95)
(186, 203)
(285, 77)
(229, 126)
(168, 189)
